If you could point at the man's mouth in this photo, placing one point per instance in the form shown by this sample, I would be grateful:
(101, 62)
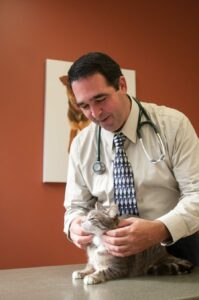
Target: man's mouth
(103, 120)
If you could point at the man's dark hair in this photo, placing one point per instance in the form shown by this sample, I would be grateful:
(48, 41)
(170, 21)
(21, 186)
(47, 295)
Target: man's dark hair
(95, 62)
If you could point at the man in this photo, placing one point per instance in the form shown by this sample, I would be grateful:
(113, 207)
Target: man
(167, 193)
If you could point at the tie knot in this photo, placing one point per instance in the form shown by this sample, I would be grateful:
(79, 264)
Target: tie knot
(118, 140)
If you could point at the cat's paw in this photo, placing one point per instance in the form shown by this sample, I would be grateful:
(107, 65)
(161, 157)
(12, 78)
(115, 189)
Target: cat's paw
(90, 279)
(183, 267)
(77, 275)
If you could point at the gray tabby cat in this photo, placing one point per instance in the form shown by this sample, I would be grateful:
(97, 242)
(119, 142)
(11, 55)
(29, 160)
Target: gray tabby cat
(102, 266)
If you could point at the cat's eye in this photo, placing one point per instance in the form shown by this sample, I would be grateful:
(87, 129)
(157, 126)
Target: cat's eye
(92, 218)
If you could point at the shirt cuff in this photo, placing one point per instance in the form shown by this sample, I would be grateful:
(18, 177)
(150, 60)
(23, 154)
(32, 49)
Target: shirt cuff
(175, 225)
(67, 223)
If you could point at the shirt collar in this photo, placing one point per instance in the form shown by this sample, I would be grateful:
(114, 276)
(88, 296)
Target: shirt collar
(130, 127)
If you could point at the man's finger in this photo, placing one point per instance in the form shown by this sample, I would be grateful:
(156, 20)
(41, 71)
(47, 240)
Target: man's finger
(126, 222)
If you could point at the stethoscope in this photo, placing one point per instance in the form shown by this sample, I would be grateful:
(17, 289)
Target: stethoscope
(99, 167)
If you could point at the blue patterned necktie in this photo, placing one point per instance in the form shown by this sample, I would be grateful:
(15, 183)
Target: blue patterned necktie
(124, 191)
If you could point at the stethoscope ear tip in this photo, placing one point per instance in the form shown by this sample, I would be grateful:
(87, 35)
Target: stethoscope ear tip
(154, 161)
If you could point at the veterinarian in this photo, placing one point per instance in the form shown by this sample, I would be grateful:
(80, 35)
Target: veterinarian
(165, 164)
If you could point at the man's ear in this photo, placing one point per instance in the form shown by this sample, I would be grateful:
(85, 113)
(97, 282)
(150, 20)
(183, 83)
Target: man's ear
(122, 84)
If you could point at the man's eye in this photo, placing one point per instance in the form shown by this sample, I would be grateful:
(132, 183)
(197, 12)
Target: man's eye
(101, 99)
(84, 107)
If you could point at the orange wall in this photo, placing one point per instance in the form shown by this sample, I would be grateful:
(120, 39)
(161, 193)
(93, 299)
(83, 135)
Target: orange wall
(159, 39)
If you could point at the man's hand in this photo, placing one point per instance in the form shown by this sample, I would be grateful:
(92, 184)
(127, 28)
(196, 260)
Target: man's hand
(134, 235)
(80, 238)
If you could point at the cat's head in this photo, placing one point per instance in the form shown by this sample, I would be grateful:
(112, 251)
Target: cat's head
(101, 220)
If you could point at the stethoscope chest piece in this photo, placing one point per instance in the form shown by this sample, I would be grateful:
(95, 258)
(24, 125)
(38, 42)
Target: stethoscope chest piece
(99, 167)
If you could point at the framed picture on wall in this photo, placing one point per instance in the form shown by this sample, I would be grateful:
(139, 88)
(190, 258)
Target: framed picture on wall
(57, 128)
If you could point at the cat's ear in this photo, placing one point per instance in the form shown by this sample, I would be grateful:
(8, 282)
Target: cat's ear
(98, 205)
(113, 210)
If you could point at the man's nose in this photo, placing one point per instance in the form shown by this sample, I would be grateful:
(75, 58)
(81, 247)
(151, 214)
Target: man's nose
(96, 112)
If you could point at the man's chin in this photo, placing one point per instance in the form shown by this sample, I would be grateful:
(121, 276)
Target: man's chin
(108, 127)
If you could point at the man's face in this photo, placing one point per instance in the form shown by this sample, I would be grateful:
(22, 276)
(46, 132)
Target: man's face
(100, 102)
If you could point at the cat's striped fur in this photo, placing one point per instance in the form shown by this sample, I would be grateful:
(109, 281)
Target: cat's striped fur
(102, 266)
